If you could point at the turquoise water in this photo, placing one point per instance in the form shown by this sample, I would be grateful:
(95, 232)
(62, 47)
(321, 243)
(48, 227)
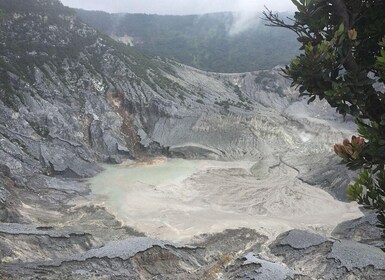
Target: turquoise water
(116, 179)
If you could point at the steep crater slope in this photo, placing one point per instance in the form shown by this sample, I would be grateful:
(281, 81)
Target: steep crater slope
(71, 97)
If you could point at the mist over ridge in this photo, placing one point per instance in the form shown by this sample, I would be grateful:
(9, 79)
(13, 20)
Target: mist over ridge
(178, 7)
(217, 42)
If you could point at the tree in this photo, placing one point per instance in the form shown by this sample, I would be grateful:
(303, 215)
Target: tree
(343, 62)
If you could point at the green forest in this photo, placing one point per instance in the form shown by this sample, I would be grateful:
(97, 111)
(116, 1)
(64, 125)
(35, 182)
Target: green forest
(205, 42)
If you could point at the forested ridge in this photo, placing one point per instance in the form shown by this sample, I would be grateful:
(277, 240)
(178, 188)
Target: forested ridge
(220, 42)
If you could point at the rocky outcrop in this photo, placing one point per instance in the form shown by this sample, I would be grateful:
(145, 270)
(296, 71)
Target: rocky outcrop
(266, 269)
(364, 230)
(320, 257)
(144, 258)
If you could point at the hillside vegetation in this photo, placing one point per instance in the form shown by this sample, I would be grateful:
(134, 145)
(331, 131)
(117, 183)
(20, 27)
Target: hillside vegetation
(220, 42)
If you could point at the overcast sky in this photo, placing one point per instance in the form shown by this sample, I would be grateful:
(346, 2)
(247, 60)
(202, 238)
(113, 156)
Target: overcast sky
(179, 7)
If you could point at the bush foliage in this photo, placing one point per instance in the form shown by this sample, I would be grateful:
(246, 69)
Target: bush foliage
(343, 61)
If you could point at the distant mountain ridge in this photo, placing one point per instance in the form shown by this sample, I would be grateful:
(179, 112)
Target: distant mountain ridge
(218, 42)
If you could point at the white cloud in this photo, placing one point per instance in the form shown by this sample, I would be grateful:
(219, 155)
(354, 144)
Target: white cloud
(179, 7)
(244, 20)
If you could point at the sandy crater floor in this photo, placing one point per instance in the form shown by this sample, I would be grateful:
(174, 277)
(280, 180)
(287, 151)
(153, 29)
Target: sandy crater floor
(178, 199)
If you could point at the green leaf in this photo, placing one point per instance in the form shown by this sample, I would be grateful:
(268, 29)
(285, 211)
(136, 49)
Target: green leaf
(354, 191)
(295, 62)
(340, 30)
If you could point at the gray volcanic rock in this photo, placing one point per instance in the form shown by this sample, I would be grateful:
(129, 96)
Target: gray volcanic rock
(125, 249)
(319, 257)
(316, 171)
(363, 230)
(144, 258)
(351, 255)
(299, 239)
(267, 270)
(9, 202)
(28, 229)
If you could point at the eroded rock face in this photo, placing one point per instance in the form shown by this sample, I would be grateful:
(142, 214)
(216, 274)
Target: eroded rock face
(267, 270)
(144, 258)
(320, 257)
(363, 230)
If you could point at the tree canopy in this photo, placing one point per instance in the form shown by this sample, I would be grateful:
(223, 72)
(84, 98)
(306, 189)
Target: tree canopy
(343, 62)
